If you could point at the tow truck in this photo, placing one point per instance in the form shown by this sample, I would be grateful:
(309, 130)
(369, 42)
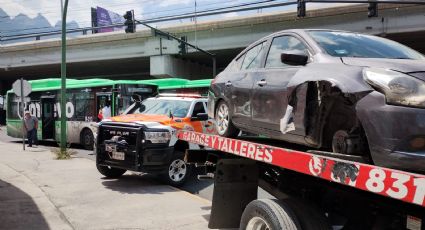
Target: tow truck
(313, 190)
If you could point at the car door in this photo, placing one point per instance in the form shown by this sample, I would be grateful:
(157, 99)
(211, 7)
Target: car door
(269, 99)
(243, 82)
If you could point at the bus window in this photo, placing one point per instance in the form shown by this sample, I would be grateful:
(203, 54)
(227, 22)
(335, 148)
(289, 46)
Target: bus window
(13, 110)
(84, 106)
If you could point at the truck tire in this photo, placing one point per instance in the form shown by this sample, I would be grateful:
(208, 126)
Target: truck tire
(309, 217)
(268, 214)
(110, 172)
(177, 171)
(87, 139)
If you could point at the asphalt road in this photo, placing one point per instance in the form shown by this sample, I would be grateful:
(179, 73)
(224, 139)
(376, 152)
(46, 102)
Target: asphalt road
(201, 188)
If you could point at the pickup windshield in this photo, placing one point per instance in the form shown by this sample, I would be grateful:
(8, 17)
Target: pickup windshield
(346, 44)
(178, 108)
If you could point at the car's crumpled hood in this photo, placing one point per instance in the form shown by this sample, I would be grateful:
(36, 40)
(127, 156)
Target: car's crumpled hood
(401, 65)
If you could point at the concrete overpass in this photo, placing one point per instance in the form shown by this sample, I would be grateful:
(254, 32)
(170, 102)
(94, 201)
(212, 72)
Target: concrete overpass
(138, 55)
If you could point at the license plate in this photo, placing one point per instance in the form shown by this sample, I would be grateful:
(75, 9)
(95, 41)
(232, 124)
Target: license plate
(115, 155)
(118, 155)
(110, 148)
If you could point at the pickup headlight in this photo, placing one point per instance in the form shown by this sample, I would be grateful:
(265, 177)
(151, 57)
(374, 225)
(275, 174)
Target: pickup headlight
(158, 137)
(399, 88)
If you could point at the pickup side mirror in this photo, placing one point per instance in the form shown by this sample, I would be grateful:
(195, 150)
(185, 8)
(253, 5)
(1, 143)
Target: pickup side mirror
(199, 117)
(296, 57)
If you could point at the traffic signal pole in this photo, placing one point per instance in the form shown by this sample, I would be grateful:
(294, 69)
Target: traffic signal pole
(170, 36)
(63, 81)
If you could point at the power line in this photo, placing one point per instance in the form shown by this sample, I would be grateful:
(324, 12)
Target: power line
(84, 22)
(162, 19)
(204, 13)
(124, 6)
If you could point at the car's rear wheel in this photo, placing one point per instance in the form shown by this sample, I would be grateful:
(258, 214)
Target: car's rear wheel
(225, 127)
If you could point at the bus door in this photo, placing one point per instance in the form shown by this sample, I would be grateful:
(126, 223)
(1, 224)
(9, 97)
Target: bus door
(103, 99)
(47, 117)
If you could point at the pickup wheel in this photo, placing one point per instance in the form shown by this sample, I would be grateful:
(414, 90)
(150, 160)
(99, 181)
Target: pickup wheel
(177, 171)
(110, 172)
(225, 127)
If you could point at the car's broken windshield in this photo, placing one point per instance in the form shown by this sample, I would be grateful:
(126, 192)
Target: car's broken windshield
(345, 44)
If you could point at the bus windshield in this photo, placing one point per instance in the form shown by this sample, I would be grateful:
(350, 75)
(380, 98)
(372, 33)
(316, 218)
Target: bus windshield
(159, 106)
(128, 92)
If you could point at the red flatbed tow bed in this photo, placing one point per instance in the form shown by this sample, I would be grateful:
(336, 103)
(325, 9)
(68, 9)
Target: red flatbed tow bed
(390, 184)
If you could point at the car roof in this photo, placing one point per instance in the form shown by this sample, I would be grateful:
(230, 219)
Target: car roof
(301, 32)
(179, 98)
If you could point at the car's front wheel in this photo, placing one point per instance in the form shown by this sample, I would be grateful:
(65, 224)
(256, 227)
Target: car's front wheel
(225, 127)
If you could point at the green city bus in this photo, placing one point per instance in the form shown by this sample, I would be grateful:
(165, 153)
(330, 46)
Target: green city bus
(84, 100)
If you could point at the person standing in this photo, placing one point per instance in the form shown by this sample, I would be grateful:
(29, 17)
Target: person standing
(106, 111)
(31, 125)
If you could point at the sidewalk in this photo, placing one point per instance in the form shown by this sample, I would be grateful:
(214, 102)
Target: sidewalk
(39, 192)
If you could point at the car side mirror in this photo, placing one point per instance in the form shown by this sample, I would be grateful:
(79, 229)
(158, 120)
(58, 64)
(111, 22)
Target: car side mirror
(200, 117)
(296, 57)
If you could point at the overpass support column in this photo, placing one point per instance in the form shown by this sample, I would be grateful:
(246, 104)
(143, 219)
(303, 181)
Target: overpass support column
(169, 66)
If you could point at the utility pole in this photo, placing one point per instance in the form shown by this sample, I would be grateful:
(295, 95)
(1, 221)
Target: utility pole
(63, 80)
(23, 115)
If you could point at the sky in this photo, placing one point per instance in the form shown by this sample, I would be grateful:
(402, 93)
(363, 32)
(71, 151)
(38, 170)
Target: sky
(79, 10)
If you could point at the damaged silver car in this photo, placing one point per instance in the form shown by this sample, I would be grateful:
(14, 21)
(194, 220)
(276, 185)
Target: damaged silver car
(336, 91)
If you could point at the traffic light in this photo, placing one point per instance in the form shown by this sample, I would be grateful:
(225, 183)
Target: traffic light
(372, 10)
(129, 22)
(182, 45)
(301, 8)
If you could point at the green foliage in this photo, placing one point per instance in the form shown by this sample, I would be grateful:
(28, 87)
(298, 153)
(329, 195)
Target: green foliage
(63, 154)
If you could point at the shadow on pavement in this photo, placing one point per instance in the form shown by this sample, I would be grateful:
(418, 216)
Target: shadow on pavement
(137, 184)
(18, 210)
(193, 185)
